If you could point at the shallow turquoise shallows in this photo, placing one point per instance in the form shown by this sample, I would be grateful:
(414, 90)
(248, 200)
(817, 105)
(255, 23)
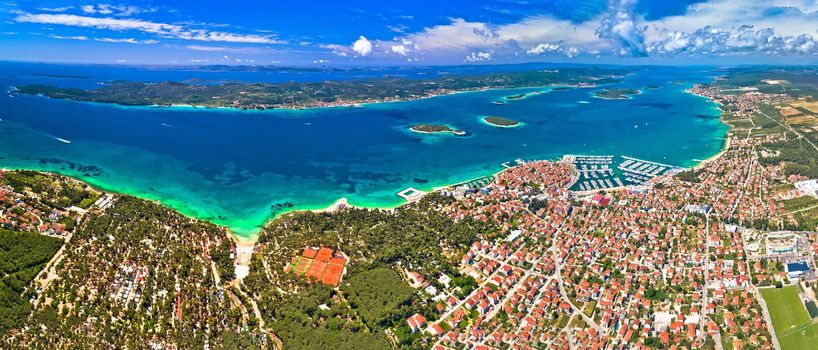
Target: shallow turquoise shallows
(241, 168)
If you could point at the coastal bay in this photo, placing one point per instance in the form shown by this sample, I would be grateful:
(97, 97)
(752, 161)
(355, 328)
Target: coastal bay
(242, 168)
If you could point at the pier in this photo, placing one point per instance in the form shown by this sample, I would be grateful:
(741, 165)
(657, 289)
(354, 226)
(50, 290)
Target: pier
(595, 172)
(411, 194)
(639, 171)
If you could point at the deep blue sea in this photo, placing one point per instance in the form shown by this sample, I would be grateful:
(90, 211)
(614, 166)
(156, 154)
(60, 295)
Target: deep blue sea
(233, 167)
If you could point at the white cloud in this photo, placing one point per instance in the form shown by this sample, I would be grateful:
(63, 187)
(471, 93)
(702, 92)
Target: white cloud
(744, 40)
(399, 49)
(54, 9)
(362, 46)
(623, 31)
(554, 48)
(461, 36)
(161, 29)
(76, 37)
(543, 48)
(104, 40)
(723, 28)
(620, 27)
(478, 57)
(404, 48)
(242, 50)
(126, 41)
(116, 10)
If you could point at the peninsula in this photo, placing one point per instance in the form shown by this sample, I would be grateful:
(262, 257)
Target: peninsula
(298, 95)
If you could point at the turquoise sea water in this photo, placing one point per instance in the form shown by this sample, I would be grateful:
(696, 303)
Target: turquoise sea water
(240, 168)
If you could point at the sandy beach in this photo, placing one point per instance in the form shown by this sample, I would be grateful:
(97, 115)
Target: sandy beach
(340, 203)
(715, 156)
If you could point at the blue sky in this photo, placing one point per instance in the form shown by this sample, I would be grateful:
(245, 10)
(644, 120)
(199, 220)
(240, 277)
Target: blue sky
(419, 32)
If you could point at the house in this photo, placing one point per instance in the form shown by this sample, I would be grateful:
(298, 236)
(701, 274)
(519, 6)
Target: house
(600, 200)
(416, 322)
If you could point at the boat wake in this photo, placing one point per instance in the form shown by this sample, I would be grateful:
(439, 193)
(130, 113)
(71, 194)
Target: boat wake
(58, 138)
(167, 125)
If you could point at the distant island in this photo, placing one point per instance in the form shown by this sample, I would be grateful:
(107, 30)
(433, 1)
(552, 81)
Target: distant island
(435, 129)
(616, 94)
(500, 122)
(517, 97)
(297, 95)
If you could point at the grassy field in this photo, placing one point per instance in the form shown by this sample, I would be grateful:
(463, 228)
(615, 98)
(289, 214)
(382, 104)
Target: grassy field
(800, 203)
(790, 319)
(805, 337)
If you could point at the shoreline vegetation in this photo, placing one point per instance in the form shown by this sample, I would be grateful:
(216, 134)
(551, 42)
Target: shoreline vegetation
(304, 95)
(500, 122)
(436, 129)
(616, 94)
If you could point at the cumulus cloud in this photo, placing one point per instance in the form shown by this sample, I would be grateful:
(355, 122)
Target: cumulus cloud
(400, 49)
(362, 46)
(713, 41)
(404, 48)
(553, 48)
(478, 57)
(164, 30)
(459, 37)
(621, 28)
(543, 48)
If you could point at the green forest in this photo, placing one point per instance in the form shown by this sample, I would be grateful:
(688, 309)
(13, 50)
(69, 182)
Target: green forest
(22, 256)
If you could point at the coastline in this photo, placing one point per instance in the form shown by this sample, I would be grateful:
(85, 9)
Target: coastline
(250, 234)
(350, 104)
(725, 147)
(728, 136)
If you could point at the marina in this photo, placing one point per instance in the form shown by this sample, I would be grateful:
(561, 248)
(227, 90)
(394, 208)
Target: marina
(598, 172)
(595, 172)
(638, 171)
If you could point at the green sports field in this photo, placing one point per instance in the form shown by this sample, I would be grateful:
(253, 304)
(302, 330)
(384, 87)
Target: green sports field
(790, 319)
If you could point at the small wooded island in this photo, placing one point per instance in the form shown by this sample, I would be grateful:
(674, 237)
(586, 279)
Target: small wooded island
(517, 97)
(435, 129)
(500, 122)
(616, 94)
